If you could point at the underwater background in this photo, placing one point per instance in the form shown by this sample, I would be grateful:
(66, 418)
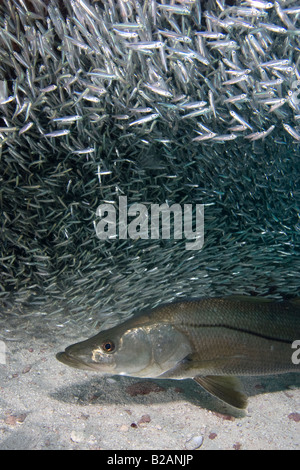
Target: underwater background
(183, 102)
(177, 102)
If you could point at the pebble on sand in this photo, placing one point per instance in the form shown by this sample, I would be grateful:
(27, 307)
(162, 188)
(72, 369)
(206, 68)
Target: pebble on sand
(194, 443)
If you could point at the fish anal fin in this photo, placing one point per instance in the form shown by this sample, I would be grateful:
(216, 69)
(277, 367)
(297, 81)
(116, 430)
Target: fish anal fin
(227, 389)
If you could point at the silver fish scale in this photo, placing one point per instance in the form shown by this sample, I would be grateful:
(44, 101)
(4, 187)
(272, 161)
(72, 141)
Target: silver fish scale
(236, 335)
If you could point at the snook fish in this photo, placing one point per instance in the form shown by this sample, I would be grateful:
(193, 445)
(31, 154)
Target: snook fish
(210, 340)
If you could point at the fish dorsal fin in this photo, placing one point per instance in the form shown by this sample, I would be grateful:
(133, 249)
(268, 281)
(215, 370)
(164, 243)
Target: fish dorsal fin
(227, 389)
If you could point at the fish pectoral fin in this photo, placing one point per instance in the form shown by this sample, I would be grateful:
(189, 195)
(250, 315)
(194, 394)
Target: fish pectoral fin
(227, 389)
(187, 367)
(180, 370)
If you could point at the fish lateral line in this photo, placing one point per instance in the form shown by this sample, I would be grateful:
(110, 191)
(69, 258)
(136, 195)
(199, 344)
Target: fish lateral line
(240, 330)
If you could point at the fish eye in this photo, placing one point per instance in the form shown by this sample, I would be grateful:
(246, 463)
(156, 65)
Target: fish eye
(108, 346)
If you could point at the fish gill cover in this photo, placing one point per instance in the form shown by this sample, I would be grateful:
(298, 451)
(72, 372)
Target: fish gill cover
(178, 102)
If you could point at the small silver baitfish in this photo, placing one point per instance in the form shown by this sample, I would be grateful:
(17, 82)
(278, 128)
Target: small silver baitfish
(210, 340)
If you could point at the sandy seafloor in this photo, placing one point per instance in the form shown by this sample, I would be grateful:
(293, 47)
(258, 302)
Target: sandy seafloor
(47, 405)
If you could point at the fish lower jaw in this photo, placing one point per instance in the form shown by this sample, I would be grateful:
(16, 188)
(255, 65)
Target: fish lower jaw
(72, 361)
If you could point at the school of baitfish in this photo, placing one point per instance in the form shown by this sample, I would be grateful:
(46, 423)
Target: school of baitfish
(179, 101)
(222, 63)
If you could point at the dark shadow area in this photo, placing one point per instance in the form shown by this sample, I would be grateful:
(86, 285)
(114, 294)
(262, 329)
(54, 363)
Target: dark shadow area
(128, 391)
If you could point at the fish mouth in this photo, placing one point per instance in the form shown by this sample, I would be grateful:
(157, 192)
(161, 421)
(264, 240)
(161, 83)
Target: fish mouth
(72, 361)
